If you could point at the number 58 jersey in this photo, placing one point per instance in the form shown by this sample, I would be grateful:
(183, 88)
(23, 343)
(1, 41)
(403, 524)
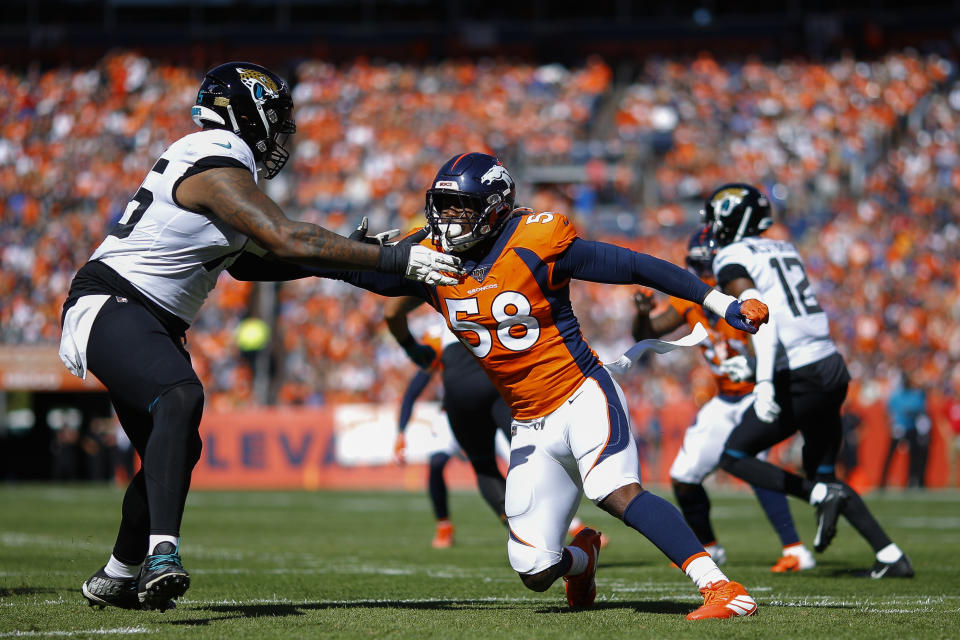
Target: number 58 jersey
(803, 332)
(517, 320)
(173, 255)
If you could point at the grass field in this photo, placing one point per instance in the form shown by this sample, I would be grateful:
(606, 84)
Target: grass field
(310, 565)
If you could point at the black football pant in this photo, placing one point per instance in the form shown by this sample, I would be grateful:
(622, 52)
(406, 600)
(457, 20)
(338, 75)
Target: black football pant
(814, 410)
(159, 401)
(476, 410)
(816, 415)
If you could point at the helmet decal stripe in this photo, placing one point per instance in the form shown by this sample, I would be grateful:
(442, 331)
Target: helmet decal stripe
(744, 222)
(458, 160)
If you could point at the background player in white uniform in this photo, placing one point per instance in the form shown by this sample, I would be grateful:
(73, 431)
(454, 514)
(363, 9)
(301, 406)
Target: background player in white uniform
(801, 378)
(727, 354)
(198, 212)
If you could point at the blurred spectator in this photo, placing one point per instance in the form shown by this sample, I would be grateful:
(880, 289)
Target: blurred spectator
(910, 425)
(861, 159)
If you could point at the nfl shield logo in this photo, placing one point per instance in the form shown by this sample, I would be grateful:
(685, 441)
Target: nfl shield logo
(478, 273)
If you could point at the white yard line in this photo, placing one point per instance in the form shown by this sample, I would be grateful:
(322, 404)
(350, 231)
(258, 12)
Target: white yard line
(120, 631)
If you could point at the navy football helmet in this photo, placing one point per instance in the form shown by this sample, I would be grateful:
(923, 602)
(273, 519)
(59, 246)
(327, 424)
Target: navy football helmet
(471, 198)
(736, 211)
(700, 252)
(255, 104)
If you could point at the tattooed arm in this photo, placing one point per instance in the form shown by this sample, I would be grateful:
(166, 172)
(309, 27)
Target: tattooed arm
(231, 194)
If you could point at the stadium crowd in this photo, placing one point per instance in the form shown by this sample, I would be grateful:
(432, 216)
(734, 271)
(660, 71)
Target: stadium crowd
(859, 157)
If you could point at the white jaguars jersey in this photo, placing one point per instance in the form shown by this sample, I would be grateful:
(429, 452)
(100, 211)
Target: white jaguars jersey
(171, 254)
(803, 332)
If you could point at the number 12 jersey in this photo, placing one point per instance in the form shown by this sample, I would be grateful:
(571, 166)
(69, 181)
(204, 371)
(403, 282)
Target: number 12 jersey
(803, 332)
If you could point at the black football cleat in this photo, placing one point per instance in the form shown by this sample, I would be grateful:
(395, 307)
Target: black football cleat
(828, 512)
(102, 591)
(899, 569)
(162, 578)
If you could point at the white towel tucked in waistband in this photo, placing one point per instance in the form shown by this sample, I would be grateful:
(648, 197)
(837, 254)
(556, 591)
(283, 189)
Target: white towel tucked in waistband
(76, 332)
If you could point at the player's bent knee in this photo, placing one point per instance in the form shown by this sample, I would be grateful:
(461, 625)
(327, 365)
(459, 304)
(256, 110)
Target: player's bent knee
(729, 460)
(194, 450)
(529, 561)
(619, 499)
(540, 581)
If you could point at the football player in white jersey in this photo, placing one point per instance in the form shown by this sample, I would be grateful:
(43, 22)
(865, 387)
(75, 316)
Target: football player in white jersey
(801, 378)
(729, 359)
(198, 212)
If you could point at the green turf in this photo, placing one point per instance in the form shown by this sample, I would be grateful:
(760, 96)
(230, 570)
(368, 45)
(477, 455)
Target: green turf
(310, 565)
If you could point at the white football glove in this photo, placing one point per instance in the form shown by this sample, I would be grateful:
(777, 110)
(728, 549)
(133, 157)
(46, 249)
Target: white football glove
(737, 368)
(428, 266)
(765, 406)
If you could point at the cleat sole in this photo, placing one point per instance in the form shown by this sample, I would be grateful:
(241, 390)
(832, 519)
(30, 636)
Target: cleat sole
(160, 593)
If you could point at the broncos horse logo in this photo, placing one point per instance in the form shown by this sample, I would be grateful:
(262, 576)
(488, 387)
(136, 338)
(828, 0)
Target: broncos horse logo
(496, 172)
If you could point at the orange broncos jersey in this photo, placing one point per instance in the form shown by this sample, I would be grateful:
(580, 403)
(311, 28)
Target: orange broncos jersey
(517, 322)
(723, 342)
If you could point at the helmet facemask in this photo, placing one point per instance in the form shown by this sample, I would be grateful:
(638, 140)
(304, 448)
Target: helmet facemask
(460, 221)
(275, 155)
(274, 107)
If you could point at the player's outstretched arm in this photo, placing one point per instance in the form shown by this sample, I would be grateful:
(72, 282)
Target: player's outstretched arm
(231, 194)
(603, 262)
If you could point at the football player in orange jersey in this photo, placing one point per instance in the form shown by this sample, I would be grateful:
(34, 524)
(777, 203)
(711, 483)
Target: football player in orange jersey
(728, 356)
(571, 427)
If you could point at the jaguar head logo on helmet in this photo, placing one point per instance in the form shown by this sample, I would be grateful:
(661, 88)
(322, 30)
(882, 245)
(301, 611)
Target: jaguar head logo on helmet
(255, 104)
(471, 197)
(735, 211)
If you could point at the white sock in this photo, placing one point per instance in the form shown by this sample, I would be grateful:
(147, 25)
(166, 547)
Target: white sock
(818, 493)
(703, 571)
(889, 554)
(580, 561)
(155, 540)
(117, 569)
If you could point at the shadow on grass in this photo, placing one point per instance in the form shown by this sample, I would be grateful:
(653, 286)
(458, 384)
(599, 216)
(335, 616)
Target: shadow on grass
(281, 610)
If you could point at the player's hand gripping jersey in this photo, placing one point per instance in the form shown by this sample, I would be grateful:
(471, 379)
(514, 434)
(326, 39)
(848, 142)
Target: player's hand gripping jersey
(723, 342)
(776, 268)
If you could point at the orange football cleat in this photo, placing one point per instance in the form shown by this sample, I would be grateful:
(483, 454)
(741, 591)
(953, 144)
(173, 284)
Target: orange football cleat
(604, 538)
(444, 536)
(724, 599)
(796, 557)
(581, 589)
(786, 564)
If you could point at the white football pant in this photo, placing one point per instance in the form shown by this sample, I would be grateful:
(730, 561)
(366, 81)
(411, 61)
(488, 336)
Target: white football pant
(586, 445)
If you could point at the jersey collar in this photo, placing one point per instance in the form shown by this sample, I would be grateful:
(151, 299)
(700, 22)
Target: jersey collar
(478, 269)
